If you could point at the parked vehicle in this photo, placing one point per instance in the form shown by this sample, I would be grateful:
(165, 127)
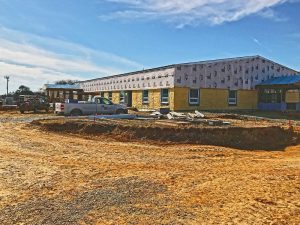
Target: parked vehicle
(98, 105)
(33, 103)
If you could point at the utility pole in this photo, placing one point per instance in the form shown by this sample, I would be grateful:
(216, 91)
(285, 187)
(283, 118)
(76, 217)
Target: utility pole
(7, 80)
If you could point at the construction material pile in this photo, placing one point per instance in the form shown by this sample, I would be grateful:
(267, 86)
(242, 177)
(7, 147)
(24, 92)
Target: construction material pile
(196, 117)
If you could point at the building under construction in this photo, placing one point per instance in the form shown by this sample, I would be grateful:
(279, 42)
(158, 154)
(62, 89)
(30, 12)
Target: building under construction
(225, 84)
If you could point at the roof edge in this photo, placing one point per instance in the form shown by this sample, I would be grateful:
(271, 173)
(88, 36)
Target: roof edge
(182, 64)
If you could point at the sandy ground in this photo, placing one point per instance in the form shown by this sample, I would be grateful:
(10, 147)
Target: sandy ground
(49, 178)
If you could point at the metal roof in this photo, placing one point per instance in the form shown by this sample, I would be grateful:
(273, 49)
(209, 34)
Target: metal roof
(63, 86)
(284, 80)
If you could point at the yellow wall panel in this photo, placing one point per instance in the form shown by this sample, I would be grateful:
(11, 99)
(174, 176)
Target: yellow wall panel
(181, 100)
(210, 99)
(215, 99)
(154, 99)
(115, 97)
(247, 99)
(172, 98)
(137, 100)
(292, 97)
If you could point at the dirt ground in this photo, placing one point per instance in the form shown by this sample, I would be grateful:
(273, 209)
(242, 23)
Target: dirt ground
(60, 178)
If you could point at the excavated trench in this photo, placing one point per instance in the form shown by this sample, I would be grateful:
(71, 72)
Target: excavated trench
(255, 138)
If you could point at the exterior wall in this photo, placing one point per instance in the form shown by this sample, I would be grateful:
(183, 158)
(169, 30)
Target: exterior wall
(148, 79)
(247, 99)
(234, 74)
(181, 99)
(214, 78)
(292, 97)
(115, 97)
(172, 98)
(214, 99)
(272, 106)
(154, 99)
(137, 100)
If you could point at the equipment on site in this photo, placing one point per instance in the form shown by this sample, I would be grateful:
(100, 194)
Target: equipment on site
(33, 103)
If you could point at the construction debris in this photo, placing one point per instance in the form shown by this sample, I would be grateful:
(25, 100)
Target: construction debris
(146, 110)
(196, 117)
(177, 115)
(199, 115)
(156, 114)
(170, 117)
(117, 116)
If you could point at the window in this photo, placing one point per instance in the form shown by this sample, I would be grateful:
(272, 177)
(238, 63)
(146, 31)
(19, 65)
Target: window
(164, 96)
(102, 94)
(122, 96)
(270, 96)
(194, 96)
(104, 101)
(232, 98)
(110, 95)
(145, 98)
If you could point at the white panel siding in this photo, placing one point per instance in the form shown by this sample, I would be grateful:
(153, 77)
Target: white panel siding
(239, 73)
(154, 79)
(234, 74)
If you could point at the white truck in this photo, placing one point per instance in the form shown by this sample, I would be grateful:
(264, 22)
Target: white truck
(98, 105)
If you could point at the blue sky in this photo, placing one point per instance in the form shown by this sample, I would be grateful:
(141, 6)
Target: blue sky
(46, 40)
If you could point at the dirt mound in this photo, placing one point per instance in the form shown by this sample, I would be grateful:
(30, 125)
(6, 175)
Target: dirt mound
(264, 138)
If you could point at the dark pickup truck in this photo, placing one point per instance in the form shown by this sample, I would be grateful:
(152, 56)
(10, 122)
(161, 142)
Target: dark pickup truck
(33, 103)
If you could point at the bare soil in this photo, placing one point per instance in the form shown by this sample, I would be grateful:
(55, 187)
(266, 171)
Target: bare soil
(246, 138)
(50, 177)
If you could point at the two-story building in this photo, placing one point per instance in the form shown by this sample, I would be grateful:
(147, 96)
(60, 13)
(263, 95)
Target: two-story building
(225, 84)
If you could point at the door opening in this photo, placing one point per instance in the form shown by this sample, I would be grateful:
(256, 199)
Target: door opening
(129, 98)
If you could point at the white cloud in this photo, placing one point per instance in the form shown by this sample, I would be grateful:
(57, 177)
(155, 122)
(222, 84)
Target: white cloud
(33, 77)
(272, 15)
(264, 47)
(33, 60)
(256, 41)
(187, 12)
